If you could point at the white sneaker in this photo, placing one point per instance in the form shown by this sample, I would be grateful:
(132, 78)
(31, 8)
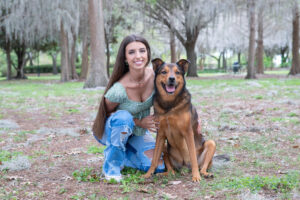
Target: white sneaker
(115, 177)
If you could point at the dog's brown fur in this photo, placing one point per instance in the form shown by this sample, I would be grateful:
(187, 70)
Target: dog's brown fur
(178, 123)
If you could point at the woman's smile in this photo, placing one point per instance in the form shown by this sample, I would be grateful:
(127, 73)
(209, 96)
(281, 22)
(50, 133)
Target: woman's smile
(136, 54)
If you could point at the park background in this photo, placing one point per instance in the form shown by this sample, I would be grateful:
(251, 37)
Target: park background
(55, 60)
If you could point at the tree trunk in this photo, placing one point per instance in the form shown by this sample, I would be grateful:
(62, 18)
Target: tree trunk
(284, 52)
(97, 73)
(54, 65)
(85, 58)
(224, 61)
(64, 67)
(23, 65)
(172, 47)
(251, 50)
(260, 43)
(192, 57)
(21, 53)
(219, 60)
(29, 54)
(178, 53)
(107, 54)
(239, 57)
(74, 74)
(8, 60)
(202, 62)
(271, 64)
(295, 49)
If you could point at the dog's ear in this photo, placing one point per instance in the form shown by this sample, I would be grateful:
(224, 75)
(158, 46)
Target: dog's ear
(157, 62)
(184, 64)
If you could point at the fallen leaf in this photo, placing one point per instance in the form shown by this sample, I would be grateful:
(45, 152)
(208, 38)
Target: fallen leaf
(236, 145)
(57, 156)
(83, 131)
(12, 178)
(67, 178)
(74, 152)
(169, 196)
(27, 183)
(281, 172)
(144, 190)
(233, 138)
(94, 176)
(296, 146)
(175, 182)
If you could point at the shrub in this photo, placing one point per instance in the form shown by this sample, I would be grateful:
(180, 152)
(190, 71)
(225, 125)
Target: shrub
(3, 71)
(48, 68)
(40, 69)
(211, 71)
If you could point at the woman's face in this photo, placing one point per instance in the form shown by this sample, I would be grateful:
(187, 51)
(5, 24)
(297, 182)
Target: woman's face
(136, 55)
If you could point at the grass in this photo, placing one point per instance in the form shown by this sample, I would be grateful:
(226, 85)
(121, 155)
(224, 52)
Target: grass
(86, 175)
(20, 136)
(292, 114)
(24, 94)
(283, 184)
(44, 77)
(131, 179)
(96, 149)
(7, 156)
(280, 72)
(256, 156)
(241, 82)
(211, 74)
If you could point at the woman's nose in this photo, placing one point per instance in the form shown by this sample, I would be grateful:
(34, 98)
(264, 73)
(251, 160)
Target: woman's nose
(138, 54)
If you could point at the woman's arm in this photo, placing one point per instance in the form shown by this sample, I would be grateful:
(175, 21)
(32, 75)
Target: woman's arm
(110, 106)
(149, 122)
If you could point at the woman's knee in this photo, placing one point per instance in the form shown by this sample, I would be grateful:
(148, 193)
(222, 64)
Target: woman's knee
(121, 118)
(121, 127)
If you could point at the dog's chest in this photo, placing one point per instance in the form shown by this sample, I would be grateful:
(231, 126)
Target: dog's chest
(173, 129)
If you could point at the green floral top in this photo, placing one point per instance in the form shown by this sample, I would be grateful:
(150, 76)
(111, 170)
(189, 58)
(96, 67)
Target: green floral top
(117, 94)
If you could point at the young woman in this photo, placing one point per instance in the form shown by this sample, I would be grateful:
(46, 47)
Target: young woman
(123, 121)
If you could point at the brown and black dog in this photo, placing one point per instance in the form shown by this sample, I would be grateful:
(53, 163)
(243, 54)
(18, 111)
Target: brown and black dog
(178, 123)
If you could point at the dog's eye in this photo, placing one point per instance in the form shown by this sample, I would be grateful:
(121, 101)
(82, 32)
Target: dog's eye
(164, 72)
(177, 72)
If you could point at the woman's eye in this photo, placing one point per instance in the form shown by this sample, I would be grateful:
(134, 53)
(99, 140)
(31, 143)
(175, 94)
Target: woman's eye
(143, 50)
(131, 52)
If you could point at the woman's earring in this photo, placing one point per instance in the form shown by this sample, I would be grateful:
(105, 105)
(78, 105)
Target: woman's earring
(126, 63)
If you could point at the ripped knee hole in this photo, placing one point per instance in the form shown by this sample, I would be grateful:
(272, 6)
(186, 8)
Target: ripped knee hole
(149, 154)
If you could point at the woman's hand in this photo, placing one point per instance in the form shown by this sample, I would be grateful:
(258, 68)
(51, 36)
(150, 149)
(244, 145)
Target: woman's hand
(150, 122)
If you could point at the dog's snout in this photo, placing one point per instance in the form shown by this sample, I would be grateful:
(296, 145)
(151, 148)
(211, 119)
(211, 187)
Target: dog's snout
(171, 79)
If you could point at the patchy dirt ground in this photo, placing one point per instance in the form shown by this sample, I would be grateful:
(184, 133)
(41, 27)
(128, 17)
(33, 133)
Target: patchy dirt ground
(45, 141)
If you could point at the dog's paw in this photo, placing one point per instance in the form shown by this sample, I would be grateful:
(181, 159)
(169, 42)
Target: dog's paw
(196, 178)
(147, 175)
(207, 175)
(172, 172)
(163, 174)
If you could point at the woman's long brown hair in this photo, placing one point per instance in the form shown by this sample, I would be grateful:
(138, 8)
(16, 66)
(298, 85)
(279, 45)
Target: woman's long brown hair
(120, 68)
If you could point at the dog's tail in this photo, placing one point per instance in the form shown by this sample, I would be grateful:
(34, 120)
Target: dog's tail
(222, 157)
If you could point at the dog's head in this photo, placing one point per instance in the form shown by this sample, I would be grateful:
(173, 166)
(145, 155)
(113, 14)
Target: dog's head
(169, 77)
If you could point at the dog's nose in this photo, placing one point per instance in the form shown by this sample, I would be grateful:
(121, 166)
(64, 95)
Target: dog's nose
(171, 79)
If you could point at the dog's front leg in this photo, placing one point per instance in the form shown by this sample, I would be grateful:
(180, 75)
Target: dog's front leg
(160, 140)
(189, 138)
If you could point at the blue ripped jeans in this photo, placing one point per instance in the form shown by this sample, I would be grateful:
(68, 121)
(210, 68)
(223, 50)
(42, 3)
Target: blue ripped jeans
(123, 148)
